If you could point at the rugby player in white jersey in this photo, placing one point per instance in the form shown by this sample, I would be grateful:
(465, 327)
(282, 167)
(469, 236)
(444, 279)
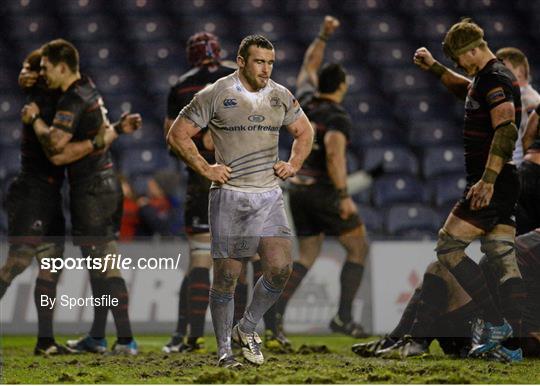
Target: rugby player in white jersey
(244, 112)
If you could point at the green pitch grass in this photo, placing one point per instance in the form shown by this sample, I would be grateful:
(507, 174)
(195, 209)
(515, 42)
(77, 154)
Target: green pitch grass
(327, 359)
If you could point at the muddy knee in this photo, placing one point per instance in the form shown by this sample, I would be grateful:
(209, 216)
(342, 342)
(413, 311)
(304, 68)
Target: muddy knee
(450, 250)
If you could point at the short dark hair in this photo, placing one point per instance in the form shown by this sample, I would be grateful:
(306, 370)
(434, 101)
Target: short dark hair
(331, 76)
(253, 40)
(33, 59)
(514, 56)
(61, 50)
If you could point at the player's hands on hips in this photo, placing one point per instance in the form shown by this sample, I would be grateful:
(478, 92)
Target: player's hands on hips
(130, 123)
(28, 112)
(480, 195)
(27, 78)
(347, 208)
(284, 170)
(329, 26)
(423, 58)
(218, 173)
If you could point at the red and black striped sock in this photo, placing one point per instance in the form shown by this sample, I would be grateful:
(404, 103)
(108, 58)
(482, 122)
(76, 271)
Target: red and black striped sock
(299, 271)
(117, 289)
(198, 298)
(181, 324)
(350, 279)
(512, 296)
(433, 302)
(470, 276)
(407, 318)
(99, 288)
(45, 313)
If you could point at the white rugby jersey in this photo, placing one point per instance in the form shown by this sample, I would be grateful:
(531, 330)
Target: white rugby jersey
(529, 100)
(245, 128)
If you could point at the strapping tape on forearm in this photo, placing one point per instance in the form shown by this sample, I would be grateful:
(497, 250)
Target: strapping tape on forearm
(504, 140)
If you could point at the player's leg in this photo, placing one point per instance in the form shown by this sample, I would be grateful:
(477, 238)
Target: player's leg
(226, 273)
(198, 289)
(46, 283)
(356, 245)
(19, 258)
(528, 256)
(275, 255)
(309, 248)
(498, 245)
(453, 239)
(241, 294)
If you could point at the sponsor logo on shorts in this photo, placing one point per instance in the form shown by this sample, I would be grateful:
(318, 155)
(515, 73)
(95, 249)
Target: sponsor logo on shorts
(256, 118)
(242, 245)
(230, 103)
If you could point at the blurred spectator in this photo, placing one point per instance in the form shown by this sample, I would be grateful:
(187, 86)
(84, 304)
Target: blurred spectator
(160, 210)
(130, 218)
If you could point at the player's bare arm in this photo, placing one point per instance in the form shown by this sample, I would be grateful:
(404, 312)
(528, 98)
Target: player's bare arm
(52, 139)
(179, 138)
(335, 144)
(502, 146)
(315, 53)
(302, 131)
(533, 126)
(457, 84)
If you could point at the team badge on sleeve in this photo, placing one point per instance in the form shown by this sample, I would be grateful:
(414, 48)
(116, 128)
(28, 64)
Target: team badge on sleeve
(495, 95)
(63, 119)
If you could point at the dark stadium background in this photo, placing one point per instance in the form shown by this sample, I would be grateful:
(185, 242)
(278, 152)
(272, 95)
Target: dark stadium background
(135, 50)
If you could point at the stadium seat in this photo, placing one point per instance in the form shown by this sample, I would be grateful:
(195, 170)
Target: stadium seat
(482, 6)
(86, 8)
(391, 53)
(419, 107)
(392, 189)
(443, 160)
(498, 25)
(37, 28)
(10, 161)
(145, 160)
(366, 106)
(161, 53)
(406, 80)
(432, 27)
(11, 132)
(342, 52)
(90, 28)
(161, 79)
(274, 28)
(257, 7)
(11, 105)
(216, 24)
(147, 28)
(378, 27)
(150, 135)
(363, 7)
(139, 7)
(392, 159)
(316, 7)
(115, 80)
(358, 80)
(408, 219)
(372, 218)
(448, 189)
(196, 8)
(287, 54)
(424, 7)
(23, 8)
(377, 133)
(433, 133)
(307, 28)
(102, 54)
